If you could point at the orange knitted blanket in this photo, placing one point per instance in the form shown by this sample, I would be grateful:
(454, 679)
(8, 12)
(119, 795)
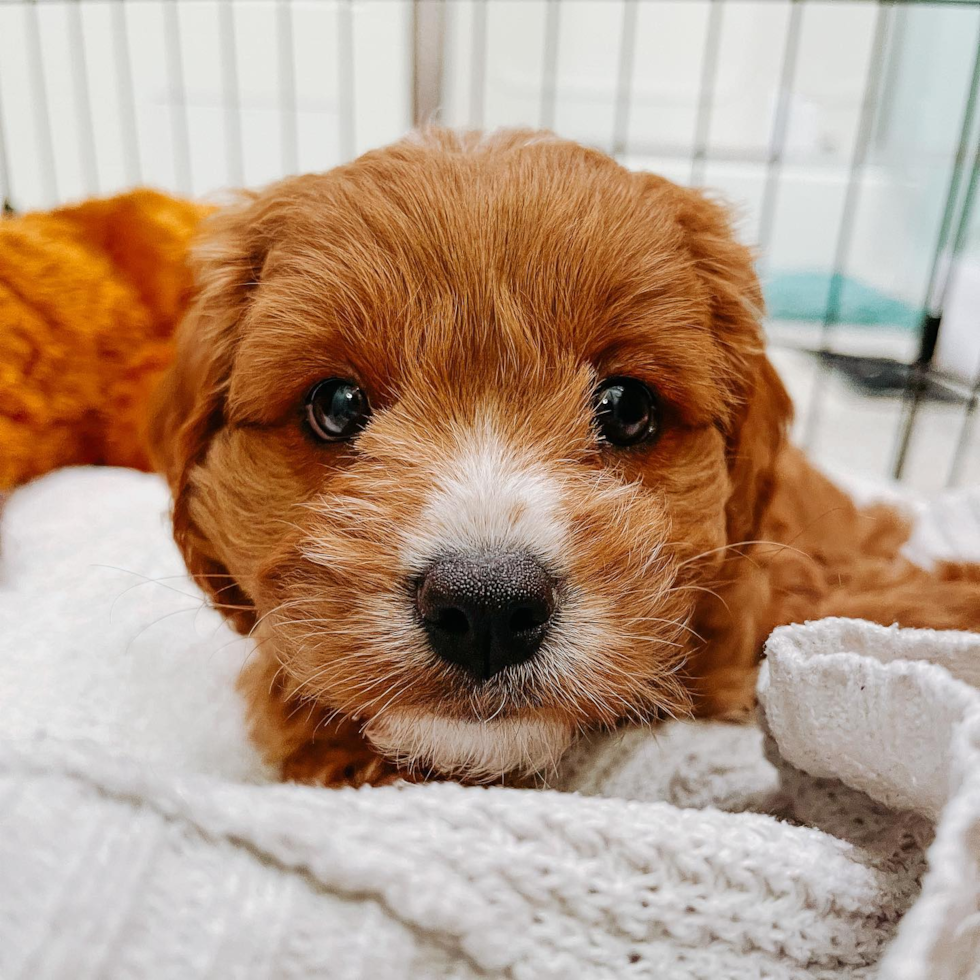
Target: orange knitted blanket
(89, 298)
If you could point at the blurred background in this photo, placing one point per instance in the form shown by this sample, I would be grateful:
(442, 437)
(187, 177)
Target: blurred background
(845, 133)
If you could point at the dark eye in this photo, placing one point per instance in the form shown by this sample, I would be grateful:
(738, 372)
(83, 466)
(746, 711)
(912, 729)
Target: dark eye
(625, 411)
(336, 409)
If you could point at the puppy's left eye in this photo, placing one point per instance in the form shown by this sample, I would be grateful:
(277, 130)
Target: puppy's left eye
(626, 411)
(336, 409)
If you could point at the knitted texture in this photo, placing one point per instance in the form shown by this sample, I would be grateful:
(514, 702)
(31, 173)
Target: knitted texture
(139, 838)
(89, 297)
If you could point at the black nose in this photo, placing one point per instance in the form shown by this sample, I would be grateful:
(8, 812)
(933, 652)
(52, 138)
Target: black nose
(485, 612)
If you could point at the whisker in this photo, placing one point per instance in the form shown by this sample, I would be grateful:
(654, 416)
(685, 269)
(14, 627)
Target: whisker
(161, 581)
(156, 622)
(147, 579)
(740, 544)
(668, 622)
(701, 588)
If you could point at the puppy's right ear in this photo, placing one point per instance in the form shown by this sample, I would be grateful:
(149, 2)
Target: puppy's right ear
(188, 407)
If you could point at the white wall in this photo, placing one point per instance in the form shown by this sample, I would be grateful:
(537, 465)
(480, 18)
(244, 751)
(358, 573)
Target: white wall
(110, 30)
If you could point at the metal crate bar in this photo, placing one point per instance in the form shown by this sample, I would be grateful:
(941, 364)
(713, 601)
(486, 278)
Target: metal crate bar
(706, 92)
(967, 429)
(780, 128)
(234, 158)
(45, 138)
(624, 77)
(179, 131)
(124, 87)
(345, 67)
(478, 63)
(852, 198)
(83, 100)
(930, 337)
(288, 128)
(5, 194)
(428, 59)
(939, 280)
(549, 78)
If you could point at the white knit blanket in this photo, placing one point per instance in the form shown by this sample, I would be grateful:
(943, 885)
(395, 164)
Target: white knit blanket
(140, 838)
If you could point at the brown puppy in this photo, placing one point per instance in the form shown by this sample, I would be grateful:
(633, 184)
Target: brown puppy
(478, 437)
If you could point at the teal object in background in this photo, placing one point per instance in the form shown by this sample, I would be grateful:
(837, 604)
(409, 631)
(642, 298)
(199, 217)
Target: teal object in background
(804, 295)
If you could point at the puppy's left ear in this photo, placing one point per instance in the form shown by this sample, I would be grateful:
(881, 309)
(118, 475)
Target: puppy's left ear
(757, 430)
(760, 434)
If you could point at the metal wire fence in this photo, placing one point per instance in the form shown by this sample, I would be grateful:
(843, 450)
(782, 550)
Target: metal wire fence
(848, 131)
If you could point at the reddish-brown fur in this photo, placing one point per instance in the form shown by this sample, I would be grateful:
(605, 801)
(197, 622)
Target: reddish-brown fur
(484, 285)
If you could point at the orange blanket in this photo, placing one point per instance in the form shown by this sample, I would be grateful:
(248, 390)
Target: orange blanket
(89, 298)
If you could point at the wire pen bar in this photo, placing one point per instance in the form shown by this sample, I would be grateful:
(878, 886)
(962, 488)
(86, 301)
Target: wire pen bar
(852, 198)
(966, 429)
(42, 111)
(478, 63)
(549, 78)
(938, 282)
(288, 129)
(234, 158)
(862, 143)
(83, 99)
(345, 64)
(4, 165)
(965, 437)
(780, 129)
(128, 125)
(624, 78)
(428, 60)
(179, 126)
(706, 93)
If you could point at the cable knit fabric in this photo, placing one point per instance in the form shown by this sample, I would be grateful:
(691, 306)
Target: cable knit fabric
(89, 298)
(141, 838)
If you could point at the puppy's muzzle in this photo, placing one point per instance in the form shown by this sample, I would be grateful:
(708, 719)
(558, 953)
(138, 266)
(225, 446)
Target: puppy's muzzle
(487, 611)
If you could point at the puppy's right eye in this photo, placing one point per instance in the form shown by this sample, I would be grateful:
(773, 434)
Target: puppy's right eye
(625, 411)
(336, 409)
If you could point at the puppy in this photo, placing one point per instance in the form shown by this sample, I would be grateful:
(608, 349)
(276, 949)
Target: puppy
(477, 437)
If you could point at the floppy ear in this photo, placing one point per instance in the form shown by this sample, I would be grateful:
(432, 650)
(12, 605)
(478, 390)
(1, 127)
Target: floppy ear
(188, 407)
(755, 443)
(763, 410)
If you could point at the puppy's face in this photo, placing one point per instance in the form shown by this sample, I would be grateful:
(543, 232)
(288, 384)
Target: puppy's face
(467, 425)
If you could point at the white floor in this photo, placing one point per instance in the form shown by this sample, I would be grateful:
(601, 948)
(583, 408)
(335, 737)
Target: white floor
(845, 430)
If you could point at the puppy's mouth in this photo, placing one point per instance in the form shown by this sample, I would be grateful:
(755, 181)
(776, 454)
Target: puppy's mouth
(479, 751)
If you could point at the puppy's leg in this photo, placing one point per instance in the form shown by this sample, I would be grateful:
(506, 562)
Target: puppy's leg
(841, 560)
(944, 597)
(338, 755)
(301, 739)
(817, 555)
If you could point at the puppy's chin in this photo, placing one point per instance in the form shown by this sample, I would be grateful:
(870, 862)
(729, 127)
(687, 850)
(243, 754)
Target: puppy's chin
(478, 751)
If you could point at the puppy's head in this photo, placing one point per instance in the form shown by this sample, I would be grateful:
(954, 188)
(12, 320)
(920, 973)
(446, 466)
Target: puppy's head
(458, 429)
